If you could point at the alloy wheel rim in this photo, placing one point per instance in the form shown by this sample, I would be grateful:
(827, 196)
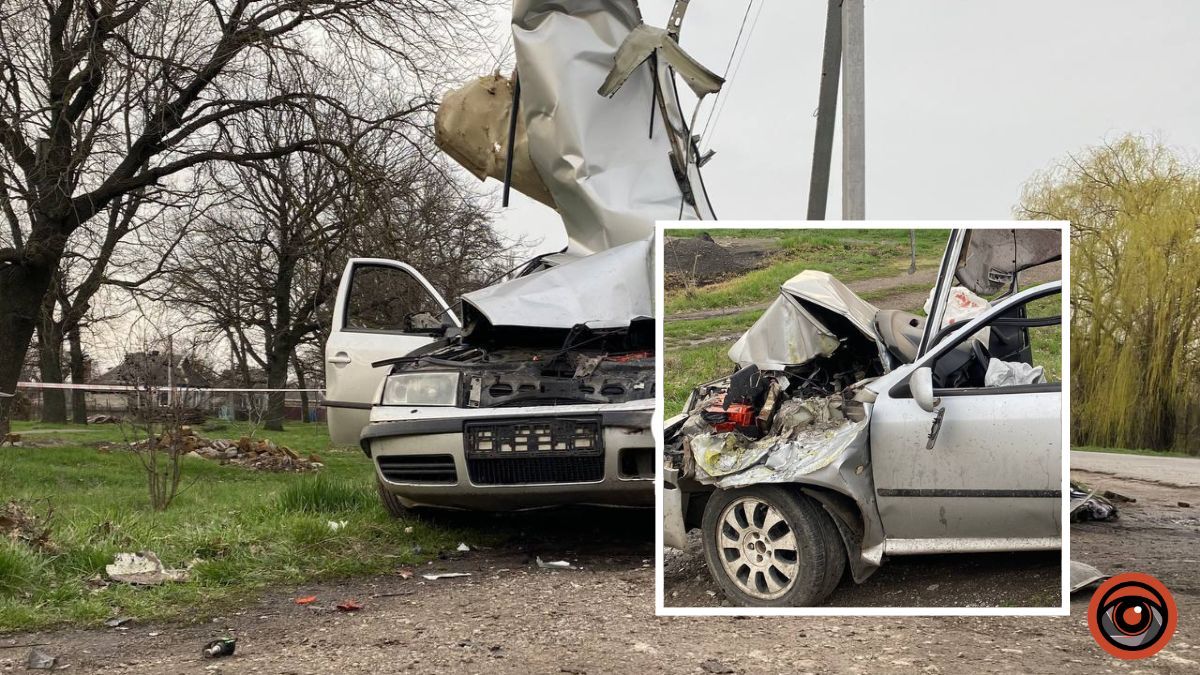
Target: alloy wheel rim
(757, 548)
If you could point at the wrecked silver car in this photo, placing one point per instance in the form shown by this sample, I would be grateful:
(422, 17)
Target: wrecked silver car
(540, 390)
(848, 433)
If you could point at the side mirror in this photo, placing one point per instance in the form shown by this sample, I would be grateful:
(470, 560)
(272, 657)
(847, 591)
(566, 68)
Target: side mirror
(920, 383)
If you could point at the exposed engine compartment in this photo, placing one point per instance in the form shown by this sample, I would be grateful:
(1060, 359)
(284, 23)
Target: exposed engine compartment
(531, 367)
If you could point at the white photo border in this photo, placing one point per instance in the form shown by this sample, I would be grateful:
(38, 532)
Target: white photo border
(1064, 607)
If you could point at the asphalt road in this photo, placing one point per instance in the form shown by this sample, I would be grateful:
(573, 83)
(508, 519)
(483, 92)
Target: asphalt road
(1183, 472)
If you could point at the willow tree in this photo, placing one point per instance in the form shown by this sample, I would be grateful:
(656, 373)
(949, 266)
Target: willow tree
(1134, 208)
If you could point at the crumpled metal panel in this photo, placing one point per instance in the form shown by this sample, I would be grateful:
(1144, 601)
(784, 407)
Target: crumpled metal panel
(786, 461)
(839, 463)
(824, 290)
(647, 40)
(471, 126)
(604, 290)
(789, 335)
(786, 334)
(1084, 575)
(610, 176)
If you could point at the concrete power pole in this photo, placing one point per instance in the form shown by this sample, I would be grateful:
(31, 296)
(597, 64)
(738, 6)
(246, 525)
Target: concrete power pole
(854, 201)
(831, 62)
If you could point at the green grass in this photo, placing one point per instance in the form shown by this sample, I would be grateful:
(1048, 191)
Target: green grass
(1134, 451)
(849, 255)
(240, 530)
(689, 367)
(717, 325)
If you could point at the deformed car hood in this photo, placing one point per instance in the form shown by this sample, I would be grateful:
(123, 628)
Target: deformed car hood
(787, 334)
(605, 159)
(609, 289)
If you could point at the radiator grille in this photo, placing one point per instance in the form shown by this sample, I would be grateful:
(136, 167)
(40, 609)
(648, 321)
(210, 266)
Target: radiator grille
(548, 450)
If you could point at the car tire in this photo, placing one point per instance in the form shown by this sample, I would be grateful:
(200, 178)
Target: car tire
(391, 502)
(766, 546)
(835, 552)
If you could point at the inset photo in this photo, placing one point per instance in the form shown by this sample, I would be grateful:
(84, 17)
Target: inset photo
(863, 420)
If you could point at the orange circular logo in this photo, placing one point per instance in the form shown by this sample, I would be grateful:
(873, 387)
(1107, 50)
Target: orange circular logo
(1132, 616)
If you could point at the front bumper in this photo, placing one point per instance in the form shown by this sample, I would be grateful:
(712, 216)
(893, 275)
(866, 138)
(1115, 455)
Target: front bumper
(438, 432)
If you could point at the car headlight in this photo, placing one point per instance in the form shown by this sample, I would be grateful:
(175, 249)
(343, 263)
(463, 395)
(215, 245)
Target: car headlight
(421, 389)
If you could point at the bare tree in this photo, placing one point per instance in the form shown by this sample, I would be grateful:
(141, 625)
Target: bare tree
(102, 98)
(263, 268)
(136, 234)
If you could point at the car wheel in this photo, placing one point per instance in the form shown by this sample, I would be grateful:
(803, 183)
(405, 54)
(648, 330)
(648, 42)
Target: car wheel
(392, 503)
(768, 547)
(835, 552)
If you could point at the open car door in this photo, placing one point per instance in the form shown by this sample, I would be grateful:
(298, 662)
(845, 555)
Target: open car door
(384, 309)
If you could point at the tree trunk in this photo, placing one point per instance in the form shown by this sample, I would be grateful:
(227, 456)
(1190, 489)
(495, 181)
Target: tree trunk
(22, 287)
(277, 368)
(50, 339)
(79, 411)
(300, 381)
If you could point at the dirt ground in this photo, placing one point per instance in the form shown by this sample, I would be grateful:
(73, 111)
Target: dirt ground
(510, 616)
(699, 261)
(1003, 580)
(905, 300)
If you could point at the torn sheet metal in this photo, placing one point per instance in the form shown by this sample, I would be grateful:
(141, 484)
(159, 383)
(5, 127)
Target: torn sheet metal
(1010, 373)
(822, 289)
(787, 334)
(1087, 505)
(772, 460)
(606, 161)
(1084, 575)
(609, 289)
(991, 257)
(646, 40)
(471, 126)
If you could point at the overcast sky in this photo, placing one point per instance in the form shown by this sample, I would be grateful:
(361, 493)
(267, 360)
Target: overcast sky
(964, 100)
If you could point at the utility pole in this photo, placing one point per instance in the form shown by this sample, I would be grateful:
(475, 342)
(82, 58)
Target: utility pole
(818, 187)
(853, 109)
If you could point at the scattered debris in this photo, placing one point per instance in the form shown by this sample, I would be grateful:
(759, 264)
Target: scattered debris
(40, 660)
(1084, 575)
(220, 647)
(335, 525)
(1117, 497)
(716, 667)
(405, 573)
(306, 600)
(261, 455)
(104, 419)
(349, 606)
(118, 621)
(463, 548)
(1087, 505)
(555, 565)
(142, 569)
(19, 523)
(11, 439)
(1186, 505)
(445, 575)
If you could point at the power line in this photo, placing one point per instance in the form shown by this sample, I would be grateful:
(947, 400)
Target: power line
(725, 75)
(715, 118)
